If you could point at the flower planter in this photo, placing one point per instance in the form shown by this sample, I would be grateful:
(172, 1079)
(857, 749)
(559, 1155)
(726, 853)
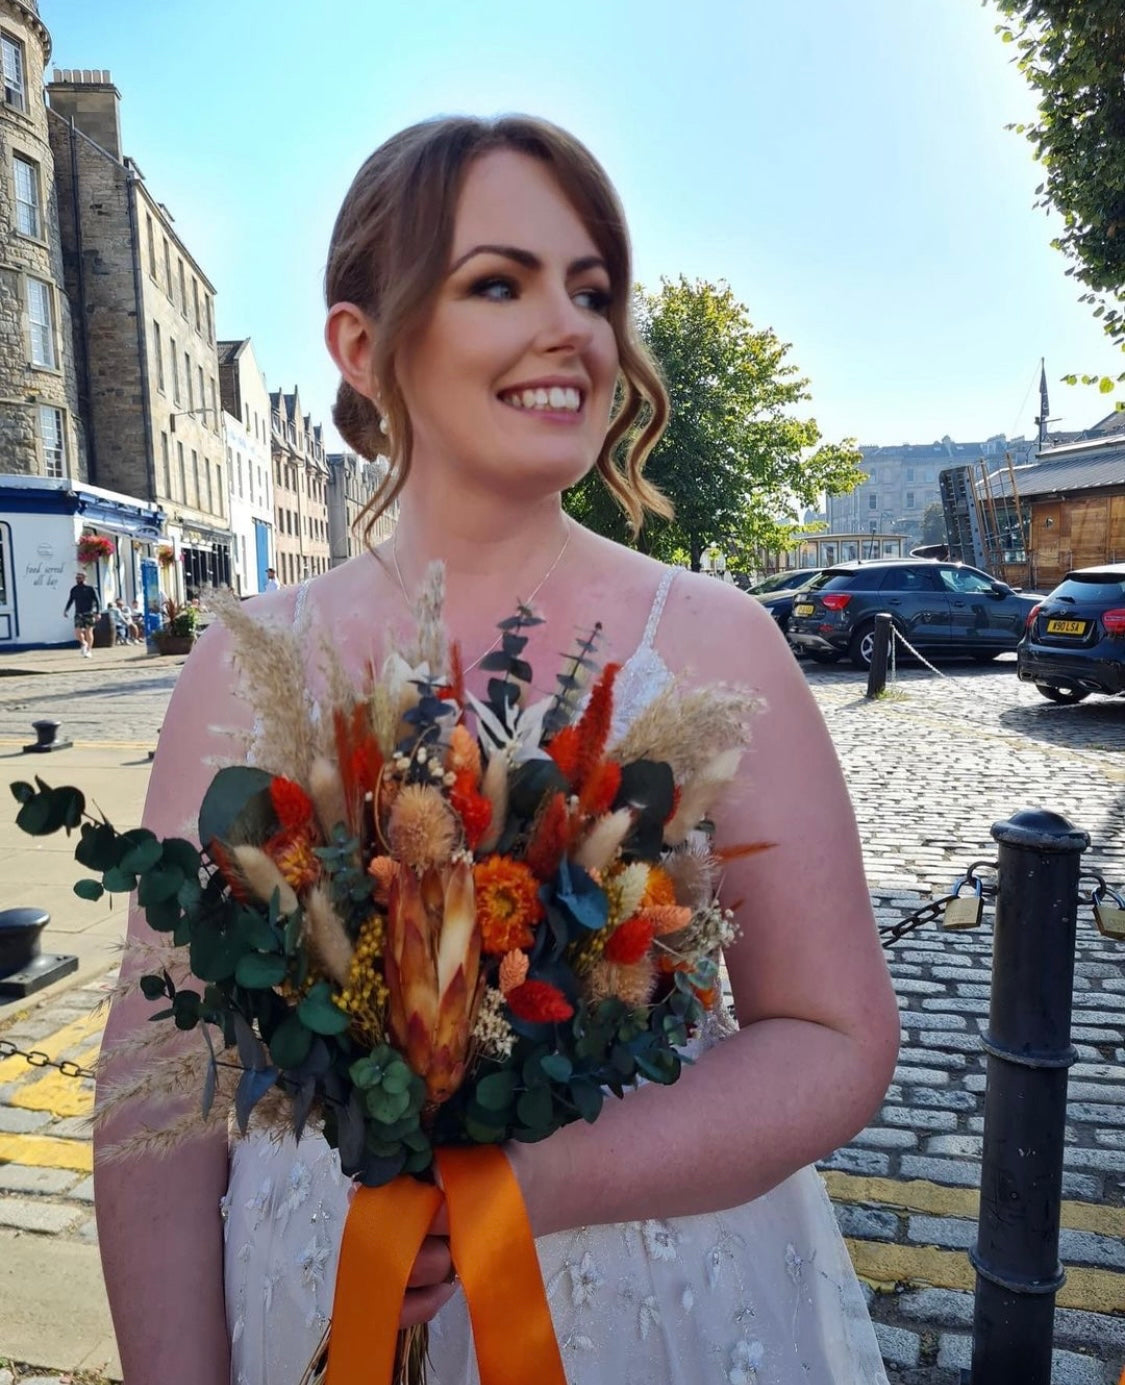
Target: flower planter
(174, 644)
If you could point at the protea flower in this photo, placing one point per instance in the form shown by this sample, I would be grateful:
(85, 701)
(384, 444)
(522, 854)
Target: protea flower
(432, 970)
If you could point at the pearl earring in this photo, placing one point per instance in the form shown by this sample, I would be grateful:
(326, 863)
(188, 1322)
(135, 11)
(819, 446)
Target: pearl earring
(383, 427)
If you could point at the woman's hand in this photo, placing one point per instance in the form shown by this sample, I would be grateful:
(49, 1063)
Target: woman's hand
(430, 1286)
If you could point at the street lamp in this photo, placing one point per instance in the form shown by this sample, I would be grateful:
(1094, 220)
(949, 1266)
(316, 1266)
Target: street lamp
(189, 413)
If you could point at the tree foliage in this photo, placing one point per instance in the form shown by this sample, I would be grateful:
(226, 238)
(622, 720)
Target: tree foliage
(737, 458)
(1072, 52)
(933, 523)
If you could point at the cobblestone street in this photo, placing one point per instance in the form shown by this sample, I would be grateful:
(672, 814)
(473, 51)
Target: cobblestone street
(931, 767)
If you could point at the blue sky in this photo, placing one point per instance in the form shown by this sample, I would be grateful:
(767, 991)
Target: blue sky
(845, 167)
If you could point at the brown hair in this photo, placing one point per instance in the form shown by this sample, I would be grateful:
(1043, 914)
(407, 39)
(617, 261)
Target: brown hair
(390, 252)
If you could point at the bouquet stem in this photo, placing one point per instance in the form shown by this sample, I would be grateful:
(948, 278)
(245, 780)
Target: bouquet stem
(411, 1352)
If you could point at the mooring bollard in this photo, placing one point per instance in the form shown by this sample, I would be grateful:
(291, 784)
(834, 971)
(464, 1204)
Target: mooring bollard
(880, 648)
(1029, 1050)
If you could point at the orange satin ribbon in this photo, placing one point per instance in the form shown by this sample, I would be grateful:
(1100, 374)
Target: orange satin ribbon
(492, 1248)
(383, 1233)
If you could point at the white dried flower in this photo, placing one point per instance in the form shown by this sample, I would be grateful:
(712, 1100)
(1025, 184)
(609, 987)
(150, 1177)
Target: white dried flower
(492, 1032)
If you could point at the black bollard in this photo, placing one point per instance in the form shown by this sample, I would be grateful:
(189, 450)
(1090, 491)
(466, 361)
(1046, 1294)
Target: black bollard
(1029, 1050)
(880, 648)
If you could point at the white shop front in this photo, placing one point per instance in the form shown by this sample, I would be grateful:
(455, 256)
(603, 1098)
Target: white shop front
(41, 522)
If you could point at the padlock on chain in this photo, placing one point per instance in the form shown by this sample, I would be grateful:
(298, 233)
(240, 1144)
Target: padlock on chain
(964, 910)
(1110, 917)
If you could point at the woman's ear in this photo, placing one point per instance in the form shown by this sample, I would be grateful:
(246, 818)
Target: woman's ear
(350, 340)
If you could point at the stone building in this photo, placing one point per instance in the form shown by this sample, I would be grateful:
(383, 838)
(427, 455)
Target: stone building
(300, 478)
(40, 429)
(246, 433)
(144, 332)
(353, 480)
(903, 481)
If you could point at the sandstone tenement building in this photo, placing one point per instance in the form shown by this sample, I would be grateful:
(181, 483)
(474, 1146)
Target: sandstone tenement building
(41, 432)
(353, 481)
(144, 321)
(300, 478)
(246, 434)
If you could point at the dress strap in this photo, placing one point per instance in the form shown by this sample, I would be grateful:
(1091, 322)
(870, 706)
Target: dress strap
(657, 608)
(302, 596)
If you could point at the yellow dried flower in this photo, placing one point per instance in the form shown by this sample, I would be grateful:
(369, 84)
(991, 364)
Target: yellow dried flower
(422, 829)
(365, 996)
(625, 888)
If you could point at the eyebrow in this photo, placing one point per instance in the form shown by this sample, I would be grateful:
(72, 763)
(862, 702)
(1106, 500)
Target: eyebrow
(527, 259)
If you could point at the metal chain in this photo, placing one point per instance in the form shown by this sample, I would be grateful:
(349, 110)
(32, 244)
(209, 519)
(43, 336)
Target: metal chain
(37, 1059)
(890, 933)
(898, 635)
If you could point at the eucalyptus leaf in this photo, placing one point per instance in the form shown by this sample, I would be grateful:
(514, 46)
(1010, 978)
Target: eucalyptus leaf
(495, 1092)
(118, 881)
(232, 809)
(251, 1051)
(252, 1086)
(89, 889)
(143, 854)
(318, 1012)
(256, 971)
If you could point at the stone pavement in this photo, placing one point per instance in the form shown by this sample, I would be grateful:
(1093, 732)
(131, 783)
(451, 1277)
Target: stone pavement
(930, 769)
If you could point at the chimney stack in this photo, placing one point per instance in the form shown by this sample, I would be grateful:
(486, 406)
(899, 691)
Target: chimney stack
(89, 96)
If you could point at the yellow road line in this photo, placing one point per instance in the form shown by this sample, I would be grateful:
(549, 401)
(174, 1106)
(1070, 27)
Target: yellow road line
(935, 1199)
(43, 1152)
(883, 1266)
(54, 1046)
(88, 745)
(58, 1094)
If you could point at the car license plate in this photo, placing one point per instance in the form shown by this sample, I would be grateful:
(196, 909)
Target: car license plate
(1066, 627)
(805, 608)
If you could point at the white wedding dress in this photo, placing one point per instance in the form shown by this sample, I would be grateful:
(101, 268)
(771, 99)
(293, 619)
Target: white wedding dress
(762, 1294)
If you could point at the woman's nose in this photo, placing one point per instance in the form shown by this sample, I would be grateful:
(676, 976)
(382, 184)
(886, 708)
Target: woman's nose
(566, 326)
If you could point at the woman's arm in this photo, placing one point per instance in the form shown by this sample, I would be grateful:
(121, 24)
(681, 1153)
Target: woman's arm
(159, 1228)
(819, 1022)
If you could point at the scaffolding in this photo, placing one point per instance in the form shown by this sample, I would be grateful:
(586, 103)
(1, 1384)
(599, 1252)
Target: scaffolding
(984, 519)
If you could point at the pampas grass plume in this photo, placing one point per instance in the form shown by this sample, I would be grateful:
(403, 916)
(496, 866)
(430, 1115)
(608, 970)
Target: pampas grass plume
(604, 840)
(263, 877)
(494, 787)
(326, 789)
(327, 937)
(700, 793)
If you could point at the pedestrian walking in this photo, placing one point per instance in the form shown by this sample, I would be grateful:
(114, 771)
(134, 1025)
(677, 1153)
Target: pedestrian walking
(86, 605)
(272, 584)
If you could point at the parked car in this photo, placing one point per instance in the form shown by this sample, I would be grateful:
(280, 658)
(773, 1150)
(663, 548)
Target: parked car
(941, 608)
(776, 593)
(1074, 643)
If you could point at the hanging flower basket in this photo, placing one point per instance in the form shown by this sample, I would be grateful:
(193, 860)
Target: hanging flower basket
(166, 555)
(93, 548)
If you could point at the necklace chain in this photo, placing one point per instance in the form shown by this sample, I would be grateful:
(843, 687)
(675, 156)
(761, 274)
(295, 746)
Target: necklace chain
(495, 643)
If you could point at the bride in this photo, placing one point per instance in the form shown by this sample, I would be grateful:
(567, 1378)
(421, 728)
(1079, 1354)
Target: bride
(478, 286)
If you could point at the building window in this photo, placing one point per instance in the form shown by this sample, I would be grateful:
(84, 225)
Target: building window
(238, 473)
(166, 462)
(52, 435)
(175, 369)
(151, 245)
(15, 85)
(41, 316)
(202, 396)
(872, 501)
(168, 271)
(214, 405)
(195, 302)
(910, 473)
(210, 488)
(909, 500)
(210, 320)
(188, 384)
(158, 352)
(182, 471)
(183, 290)
(28, 220)
(219, 489)
(198, 493)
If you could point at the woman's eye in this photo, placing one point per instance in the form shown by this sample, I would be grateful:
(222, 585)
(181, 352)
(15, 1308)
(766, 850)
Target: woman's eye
(596, 300)
(499, 290)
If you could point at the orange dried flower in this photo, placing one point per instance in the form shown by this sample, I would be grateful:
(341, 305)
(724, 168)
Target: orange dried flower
(600, 788)
(513, 970)
(463, 753)
(630, 941)
(592, 730)
(382, 870)
(292, 805)
(550, 839)
(666, 918)
(659, 889)
(228, 869)
(538, 1002)
(474, 810)
(292, 854)
(508, 904)
(563, 748)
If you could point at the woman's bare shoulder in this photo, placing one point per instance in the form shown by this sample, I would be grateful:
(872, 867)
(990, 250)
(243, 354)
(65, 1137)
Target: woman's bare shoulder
(719, 633)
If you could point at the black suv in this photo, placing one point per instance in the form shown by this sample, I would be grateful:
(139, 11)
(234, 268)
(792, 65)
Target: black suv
(1075, 640)
(777, 593)
(941, 608)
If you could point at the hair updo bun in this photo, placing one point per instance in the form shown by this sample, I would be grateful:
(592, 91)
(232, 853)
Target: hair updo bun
(389, 255)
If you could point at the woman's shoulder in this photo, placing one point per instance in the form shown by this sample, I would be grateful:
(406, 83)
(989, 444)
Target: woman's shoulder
(720, 632)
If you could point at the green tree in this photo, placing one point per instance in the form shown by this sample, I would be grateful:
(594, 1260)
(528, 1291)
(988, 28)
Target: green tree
(736, 459)
(933, 524)
(1072, 52)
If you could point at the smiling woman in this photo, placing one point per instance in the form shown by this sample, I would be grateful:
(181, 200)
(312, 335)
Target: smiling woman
(478, 310)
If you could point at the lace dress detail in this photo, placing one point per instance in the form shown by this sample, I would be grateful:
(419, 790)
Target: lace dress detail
(762, 1294)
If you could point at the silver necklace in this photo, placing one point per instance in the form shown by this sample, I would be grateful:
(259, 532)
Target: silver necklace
(496, 642)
